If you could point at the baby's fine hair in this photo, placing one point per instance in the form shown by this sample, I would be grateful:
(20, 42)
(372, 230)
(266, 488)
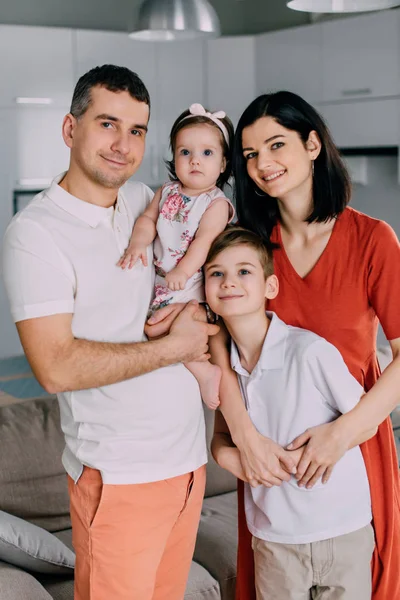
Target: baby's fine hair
(182, 122)
(234, 236)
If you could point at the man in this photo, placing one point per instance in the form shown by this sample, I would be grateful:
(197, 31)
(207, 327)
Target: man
(132, 417)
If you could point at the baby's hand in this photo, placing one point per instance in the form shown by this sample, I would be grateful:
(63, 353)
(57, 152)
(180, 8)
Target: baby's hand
(176, 279)
(130, 256)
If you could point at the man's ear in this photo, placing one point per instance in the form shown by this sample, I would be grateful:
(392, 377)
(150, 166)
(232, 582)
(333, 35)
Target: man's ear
(271, 287)
(68, 129)
(313, 145)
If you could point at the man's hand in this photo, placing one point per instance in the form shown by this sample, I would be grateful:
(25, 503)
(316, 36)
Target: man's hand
(176, 279)
(324, 446)
(160, 323)
(191, 335)
(264, 461)
(131, 255)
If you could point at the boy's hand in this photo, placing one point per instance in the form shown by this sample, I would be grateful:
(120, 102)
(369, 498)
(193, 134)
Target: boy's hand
(131, 255)
(262, 460)
(176, 279)
(296, 456)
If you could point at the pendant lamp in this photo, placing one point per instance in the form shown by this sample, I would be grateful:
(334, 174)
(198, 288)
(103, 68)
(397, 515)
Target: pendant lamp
(341, 6)
(169, 20)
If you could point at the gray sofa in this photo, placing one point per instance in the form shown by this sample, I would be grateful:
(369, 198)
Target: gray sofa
(33, 487)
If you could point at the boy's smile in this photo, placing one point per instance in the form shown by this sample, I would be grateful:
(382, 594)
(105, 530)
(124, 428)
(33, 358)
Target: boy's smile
(235, 283)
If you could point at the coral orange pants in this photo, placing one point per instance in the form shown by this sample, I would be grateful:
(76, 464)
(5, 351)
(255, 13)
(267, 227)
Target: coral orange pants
(134, 541)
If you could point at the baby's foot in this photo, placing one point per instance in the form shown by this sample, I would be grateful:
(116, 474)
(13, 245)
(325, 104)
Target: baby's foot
(209, 387)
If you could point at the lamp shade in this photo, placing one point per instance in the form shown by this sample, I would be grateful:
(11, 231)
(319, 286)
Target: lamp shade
(168, 20)
(341, 6)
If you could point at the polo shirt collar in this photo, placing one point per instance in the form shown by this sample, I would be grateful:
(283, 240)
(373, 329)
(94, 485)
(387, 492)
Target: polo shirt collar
(92, 214)
(274, 347)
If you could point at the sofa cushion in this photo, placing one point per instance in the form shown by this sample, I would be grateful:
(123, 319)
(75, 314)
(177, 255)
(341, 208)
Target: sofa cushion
(16, 584)
(33, 483)
(216, 544)
(33, 548)
(218, 480)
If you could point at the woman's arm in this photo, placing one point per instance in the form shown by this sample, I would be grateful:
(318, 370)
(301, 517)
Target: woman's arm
(326, 444)
(261, 457)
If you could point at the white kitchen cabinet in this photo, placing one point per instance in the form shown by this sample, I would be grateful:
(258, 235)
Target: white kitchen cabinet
(180, 83)
(95, 48)
(290, 60)
(361, 56)
(36, 62)
(40, 150)
(370, 123)
(231, 74)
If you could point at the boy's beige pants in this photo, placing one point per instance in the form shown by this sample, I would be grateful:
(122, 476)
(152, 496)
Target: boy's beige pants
(334, 569)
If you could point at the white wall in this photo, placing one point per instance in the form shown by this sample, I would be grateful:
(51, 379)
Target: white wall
(380, 198)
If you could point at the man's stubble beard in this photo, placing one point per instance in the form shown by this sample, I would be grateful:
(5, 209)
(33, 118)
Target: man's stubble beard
(109, 182)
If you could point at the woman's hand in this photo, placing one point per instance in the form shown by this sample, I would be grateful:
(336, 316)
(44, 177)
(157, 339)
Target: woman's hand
(324, 446)
(264, 461)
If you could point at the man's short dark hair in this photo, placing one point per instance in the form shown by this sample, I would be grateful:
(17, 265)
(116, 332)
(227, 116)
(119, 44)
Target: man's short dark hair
(111, 77)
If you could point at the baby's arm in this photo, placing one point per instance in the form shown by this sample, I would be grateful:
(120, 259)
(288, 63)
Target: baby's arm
(144, 232)
(212, 223)
(225, 453)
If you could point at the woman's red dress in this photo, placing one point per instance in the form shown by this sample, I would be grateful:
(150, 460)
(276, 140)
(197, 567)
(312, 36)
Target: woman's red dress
(354, 284)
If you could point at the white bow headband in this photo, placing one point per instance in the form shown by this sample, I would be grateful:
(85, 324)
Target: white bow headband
(197, 110)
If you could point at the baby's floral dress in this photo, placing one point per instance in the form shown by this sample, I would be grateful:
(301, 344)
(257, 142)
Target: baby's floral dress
(178, 221)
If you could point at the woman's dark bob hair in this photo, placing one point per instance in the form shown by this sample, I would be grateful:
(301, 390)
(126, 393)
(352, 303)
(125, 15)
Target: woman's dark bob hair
(198, 120)
(257, 210)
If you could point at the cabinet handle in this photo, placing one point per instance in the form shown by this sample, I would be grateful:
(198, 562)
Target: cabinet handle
(357, 92)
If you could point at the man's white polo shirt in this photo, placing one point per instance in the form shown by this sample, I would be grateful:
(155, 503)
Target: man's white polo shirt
(60, 255)
(301, 381)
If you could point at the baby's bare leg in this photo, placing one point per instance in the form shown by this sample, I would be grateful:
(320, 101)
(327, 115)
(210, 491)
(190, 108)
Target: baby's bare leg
(208, 377)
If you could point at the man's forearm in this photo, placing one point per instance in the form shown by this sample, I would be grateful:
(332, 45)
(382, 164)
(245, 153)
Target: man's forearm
(84, 364)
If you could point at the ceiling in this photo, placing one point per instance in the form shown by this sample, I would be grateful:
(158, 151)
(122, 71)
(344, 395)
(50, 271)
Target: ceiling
(238, 17)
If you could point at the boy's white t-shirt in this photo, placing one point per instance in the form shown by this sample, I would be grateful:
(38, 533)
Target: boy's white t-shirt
(301, 381)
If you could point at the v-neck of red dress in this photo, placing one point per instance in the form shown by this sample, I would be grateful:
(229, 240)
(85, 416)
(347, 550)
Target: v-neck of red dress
(324, 256)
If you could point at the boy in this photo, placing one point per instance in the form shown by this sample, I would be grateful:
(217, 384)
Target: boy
(307, 542)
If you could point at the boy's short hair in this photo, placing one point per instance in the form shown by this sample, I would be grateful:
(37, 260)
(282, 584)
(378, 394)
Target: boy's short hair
(233, 236)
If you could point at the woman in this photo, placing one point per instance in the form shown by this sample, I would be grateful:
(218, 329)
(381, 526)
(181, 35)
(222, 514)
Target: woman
(339, 274)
